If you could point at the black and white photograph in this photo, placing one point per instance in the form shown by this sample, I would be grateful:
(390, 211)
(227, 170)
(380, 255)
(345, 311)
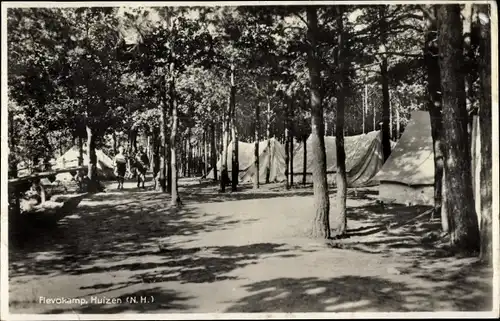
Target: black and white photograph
(266, 159)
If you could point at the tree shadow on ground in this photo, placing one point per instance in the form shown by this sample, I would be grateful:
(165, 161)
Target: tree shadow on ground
(407, 230)
(356, 294)
(110, 226)
(200, 193)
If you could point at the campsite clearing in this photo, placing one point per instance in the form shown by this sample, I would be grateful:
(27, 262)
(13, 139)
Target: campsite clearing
(239, 252)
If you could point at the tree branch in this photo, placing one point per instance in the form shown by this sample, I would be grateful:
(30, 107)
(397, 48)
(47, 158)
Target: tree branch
(400, 54)
(301, 18)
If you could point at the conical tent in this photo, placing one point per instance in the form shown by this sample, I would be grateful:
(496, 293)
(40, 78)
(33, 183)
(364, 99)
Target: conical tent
(273, 158)
(408, 174)
(363, 158)
(70, 159)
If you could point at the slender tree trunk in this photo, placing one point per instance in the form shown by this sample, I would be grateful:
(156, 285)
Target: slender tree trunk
(339, 224)
(397, 124)
(291, 149)
(80, 150)
(256, 177)
(386, 140)
(168, 146)
(485, 119)
(92, 166)
(321, 224)
(365, 108)
(152, 151)
(115, 147)
(134, 140)
(287, 140)
(190, 159)
(268, 135)
(234, 160)
(213, 151)
(224, 169)
(391, 132)
(12, 146)
(463, 228)
(175, 198)
(205, 152)
(304, 165)
(163, 140)
(434, 104)
(374, 117)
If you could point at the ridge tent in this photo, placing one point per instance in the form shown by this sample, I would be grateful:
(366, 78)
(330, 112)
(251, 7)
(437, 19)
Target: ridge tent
(408, 174)
(105, 166)
(363, 159)
(274, 158)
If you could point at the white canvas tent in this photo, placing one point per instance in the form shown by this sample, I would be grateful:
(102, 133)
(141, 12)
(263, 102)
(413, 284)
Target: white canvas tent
(274, 158)
(363, 159)
(70, 159)
(408, 175)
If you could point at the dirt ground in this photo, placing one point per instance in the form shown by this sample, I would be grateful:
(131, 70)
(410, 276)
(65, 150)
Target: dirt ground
(239, 252)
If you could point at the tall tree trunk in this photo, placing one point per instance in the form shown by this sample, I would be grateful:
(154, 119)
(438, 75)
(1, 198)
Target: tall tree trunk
(168, 146)
(205, 152)
(339, 223)
(234, 160)
(12, 146)
(375, 117)
(213, 151)
(163, 139)
(175, 198)
(304, 160)
(153, 151)
(470, 64)
(224, 169)
(268, 135)
(134, 140)
(80, 150)
(291, 149)
(256, 177)
(434, 105)
(398, 124)
(457, 155)
(485, 119)
(115, 147)
(386, 139)
(92, 166)
(321, 224)
(287, 141)
(190, 161)
(365, 107)
(149, 147)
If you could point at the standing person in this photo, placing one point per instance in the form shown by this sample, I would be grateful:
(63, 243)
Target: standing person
(120, 163)
(142, 165)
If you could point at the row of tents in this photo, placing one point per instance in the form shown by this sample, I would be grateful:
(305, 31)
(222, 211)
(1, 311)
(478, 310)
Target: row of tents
(406, 176)
(363, 160)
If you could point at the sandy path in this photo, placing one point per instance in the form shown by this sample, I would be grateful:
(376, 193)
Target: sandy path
(246, 255)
